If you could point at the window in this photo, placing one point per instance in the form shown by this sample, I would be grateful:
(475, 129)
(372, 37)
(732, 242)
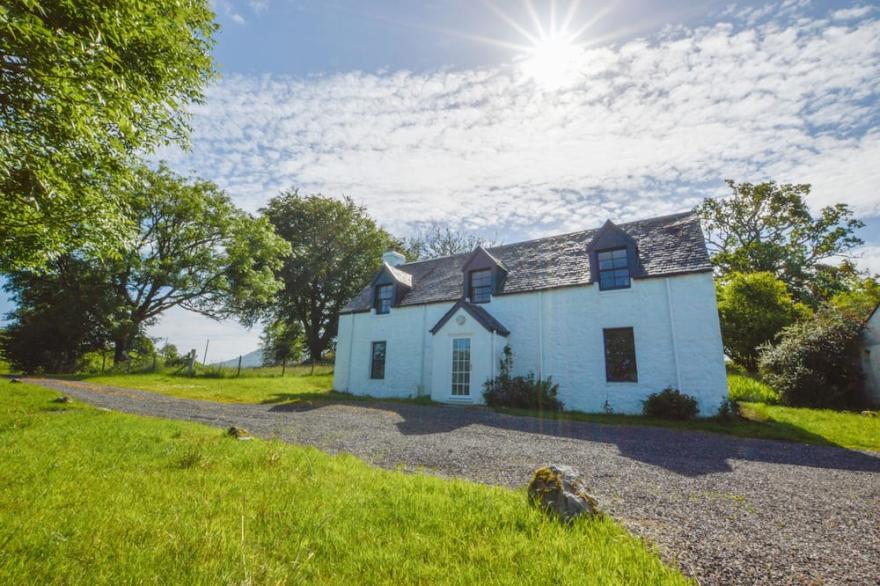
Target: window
(377, 362)
(461, 366)
(480, 286)
(620, 356)
(384, 298)
(613, 269)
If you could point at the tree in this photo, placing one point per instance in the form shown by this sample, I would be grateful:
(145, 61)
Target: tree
(860, 300)
(194, 250)
(61, 314)
(816, 361)
(753, 308)
(768, 228)
(336, 249)
(282, 343)
(84, 86)
(442, 240)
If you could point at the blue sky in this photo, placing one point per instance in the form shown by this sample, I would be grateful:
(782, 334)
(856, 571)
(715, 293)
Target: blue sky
(442, 110)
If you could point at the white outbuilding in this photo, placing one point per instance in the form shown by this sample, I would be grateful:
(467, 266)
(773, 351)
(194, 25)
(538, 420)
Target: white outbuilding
(871, 357)
(612, 314)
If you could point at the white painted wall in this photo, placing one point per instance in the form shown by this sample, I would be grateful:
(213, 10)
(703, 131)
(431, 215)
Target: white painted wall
(556, 333)
(871, 358)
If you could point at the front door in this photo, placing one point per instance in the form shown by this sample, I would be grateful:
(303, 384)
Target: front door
(461, 367)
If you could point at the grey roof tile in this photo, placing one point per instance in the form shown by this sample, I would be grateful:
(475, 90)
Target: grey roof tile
(666, 245)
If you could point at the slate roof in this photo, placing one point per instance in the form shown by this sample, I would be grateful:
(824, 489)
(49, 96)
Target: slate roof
(667, 245)
(483, 317)
(399, 275)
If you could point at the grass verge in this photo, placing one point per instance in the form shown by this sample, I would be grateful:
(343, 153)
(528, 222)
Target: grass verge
(296, 386)
(89, 496)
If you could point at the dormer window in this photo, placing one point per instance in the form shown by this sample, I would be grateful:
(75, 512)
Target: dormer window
(480, 286)
(384, 298)
(613, 268)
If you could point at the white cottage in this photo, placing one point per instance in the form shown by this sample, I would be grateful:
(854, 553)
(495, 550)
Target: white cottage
(612, 315)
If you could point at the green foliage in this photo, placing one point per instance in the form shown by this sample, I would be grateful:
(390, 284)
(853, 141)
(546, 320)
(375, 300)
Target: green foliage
(768, 228)
(59, 316)
(860, 300)
(337, 249)
(144, 500)
(743, 387)
(281, 343)
(670, 404)
(193, 249)
(520, 392)
(84, 86)
(816, 362)
(753, 309)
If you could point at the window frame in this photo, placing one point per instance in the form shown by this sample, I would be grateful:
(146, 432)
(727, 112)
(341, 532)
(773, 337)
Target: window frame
(632, 377)
(373, 360)
(488, 286)
(614, 269)
(464, 379)
(378, 302)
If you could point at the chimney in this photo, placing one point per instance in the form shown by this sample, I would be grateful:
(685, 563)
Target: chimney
(393, 258)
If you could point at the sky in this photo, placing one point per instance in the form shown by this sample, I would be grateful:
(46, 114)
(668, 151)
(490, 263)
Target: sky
(524, 119)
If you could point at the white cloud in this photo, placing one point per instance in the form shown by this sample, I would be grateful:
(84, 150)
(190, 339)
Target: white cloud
(852, 13)
(653, 126)
(868, 258)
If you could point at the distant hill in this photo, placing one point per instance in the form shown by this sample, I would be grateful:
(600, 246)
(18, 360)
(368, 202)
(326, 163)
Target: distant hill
(250, 360)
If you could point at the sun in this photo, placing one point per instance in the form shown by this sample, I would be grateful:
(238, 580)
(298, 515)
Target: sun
(552, 62)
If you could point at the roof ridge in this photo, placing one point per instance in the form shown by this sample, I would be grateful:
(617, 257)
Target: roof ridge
(500, 246)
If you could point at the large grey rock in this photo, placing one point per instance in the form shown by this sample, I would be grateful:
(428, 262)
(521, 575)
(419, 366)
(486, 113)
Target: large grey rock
(560, 491)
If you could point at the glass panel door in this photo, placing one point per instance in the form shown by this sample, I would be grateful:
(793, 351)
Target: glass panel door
(461, 367)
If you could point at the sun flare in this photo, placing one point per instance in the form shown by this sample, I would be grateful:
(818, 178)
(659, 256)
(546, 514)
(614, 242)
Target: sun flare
(552, 62)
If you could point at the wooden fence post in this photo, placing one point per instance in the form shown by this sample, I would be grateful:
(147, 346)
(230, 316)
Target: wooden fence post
(238, 373)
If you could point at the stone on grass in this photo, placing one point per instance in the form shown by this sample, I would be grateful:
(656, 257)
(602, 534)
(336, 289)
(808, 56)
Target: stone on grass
(15, 380)
(63, 399)
(870, 413)
(239, 433)
(560, 491)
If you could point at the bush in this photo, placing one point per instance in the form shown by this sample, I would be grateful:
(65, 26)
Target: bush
(753, 309)
(816, 362)
(520, 392)
(670, 404)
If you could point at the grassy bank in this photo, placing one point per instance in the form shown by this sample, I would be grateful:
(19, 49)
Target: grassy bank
(89, 496)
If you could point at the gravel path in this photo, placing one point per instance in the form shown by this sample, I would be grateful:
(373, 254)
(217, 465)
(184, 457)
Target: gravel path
(727, 510)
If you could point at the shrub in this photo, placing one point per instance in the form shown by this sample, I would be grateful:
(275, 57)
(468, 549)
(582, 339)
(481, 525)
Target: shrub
(741, 387)
(670, 404)
(816, 362)
(520, 392)
(753, 308)
(727, 411)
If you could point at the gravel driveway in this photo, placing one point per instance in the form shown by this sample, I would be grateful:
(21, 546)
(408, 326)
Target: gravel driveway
(727, 510)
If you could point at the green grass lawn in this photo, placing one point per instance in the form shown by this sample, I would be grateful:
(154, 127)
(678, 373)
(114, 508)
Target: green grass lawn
(90, 496)
(296, 385)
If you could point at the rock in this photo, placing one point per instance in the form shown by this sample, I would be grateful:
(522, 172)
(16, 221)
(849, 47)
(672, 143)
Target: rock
(239, 433)
(560, 491)
(869, 413)
(63, 399)
(15, 380)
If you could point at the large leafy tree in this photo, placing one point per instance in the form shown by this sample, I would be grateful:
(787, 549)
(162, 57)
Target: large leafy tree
(83, 86)
(767, 227)
(194, 249)
(61, 313)
(336, 249)
(754, 308)
(281, 343)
